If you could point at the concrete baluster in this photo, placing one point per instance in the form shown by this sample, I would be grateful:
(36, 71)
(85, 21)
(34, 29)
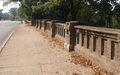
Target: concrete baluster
(91, 43)
(77, 37)
(108, 51)
(80, 38)
(117, 50)
(60, 31)
(85, 40)
(56, 30)
(98, 42)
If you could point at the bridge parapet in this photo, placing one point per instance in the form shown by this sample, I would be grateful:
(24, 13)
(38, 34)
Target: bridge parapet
(100, 45)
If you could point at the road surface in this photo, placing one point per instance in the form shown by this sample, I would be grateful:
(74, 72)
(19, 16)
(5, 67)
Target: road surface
(6, 28)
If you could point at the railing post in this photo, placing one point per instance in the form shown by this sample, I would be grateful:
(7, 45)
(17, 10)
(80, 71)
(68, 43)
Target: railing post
(39, 24)
(44, 24)
(32, 21)
(36, 23)
(70, 35)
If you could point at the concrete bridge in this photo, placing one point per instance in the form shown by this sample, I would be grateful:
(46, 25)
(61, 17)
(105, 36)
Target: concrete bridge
(100, 45)
(27, 52)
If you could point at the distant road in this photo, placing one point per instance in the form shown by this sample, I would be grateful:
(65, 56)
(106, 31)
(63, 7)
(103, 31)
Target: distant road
(6, 28)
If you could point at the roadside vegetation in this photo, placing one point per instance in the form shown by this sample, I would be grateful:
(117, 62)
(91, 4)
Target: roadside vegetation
(102, 13)
(13, 14)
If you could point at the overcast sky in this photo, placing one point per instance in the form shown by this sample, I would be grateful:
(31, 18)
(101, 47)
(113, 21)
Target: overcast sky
(6, 8)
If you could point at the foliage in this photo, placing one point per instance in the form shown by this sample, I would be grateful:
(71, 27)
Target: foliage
(0, 14)
(11, 17)
(26, 7)
(17, 17)
(102, 13)
(14, 13)
(114, 23)
(5, 16)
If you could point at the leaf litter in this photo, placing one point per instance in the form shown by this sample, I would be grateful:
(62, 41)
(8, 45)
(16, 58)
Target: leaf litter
(77, 59)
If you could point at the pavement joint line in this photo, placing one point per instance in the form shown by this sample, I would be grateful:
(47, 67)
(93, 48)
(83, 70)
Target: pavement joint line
(40, 67)
(7, 39)
(52, 63)
(20, 66)
(19, 54)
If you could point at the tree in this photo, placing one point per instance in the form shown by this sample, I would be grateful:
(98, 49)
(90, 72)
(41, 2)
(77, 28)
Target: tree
(11, 17)
(17, 17)
(94, 12)
(26, 7)
(13, 11)
(60, 8)
(5, 16)
(117, 10)
(1, 14)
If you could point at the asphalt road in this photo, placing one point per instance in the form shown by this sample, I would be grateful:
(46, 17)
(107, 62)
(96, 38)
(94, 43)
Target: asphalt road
(6, 28)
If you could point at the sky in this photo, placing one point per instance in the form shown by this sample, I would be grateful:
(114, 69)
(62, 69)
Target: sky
(7, 8)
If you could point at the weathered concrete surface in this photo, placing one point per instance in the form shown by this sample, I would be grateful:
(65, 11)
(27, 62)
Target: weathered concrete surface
(28, 53)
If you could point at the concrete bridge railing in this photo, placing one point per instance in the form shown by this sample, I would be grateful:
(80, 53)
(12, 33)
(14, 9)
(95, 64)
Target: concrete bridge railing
(100, 45)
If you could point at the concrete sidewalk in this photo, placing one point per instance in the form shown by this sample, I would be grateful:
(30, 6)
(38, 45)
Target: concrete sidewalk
(29, 53)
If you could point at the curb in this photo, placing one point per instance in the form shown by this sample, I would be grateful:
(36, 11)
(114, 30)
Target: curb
(7, 39)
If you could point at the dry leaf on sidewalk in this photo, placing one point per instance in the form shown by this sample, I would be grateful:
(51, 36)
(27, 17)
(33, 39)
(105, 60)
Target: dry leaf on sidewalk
(78, 59)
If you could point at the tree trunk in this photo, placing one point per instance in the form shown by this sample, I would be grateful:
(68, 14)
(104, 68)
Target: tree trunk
(78, 4)
(101, 19)
(90, 17)
(72, 10)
